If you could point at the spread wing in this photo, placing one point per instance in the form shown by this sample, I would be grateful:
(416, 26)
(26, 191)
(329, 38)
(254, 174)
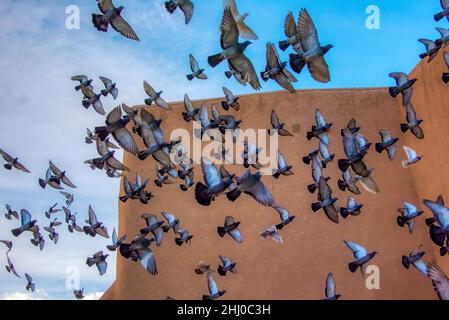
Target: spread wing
(125, 140)
(187, 8)
(6, 156)
(229, 29)
(105, 5)
(121, 26)
(439, 280)
(290, 25)
(243, 65)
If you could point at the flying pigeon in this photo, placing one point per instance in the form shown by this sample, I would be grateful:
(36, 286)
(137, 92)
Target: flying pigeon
(412, 157)
(251, 184)
(196, 71)
(286, 218)
(444, 40)
(95, 227)
(55, 177)
(112, 15)
(12, 162)
(231, 100)
(404, 85)
(171, 222)
(431, 49)
(412, 123)
(312, 53)
(53, 235)
(444, 13)
(109, 88)
(278, 126)
(438, 233)
(415, 259)
(30, 285)
(228, 265)
(92, 137)
(38, 240)
(440, 281)
(353, 208)
(244, 31)
(154, 97)
(139, 250)
(282, 167)
(320, 129)
(11, 213)
(233, 51)
(331, 293)
(271, 232)
(203, 268)
(69, 198)
(8, 244)
(317, 171)
(191, 111)
(10, 267)
(349, 182)
(184, 237)
(360, 254)
(214, 292)
(276, 70)
(230, 226)
(153, 226)
(186, 7)
(79, 294)
(388, 143)
(92, 99)
(352, 126)
(408, 214)
(116, 242)
(84, 81)
(292, 34)
(354, 155)
(162, 178)
(51, 211)
(326, 156)
(136, 190)
(26, 224)
(70, 219)
(99, 259)
(326, 202)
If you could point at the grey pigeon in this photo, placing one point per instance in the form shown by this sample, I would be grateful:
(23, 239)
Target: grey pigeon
(282, 167)
(191, 111)
(412, 157)
(203, 268)
(136, 190)
(228, 265)
(354, 155)
(116, 242)
(8, 244)
(215, 183)
(12, 162)
(331, 293)
(271, 232)
(162, 178)
(445, 12)
(292, 34)
(214, 292)
(79, 294)
(326, 156)
(230, 227)
(230, 123)
(444, 40)
(445, 75)
(54, 177)
(107, 160)
(98, 259)
(233, 51)
(52, 210)
(30, 285)
(186, 7)
(184, 237)
(231, 100)
(154, 97)
(26, 224)
(197, 72)
(111, 15)
(250, 154)
(153, 226)
(353, 208)
(244, 31)
(404, 86)
(408, 214)
(70, 219)
(413, 123)
(352, 126)
(439, 232)
(236, 74)
(116, 125)
(139, 250)
(278, 126)
(349, 182)
(10, 267)
(83, 80)
(69, 197)
(361, 255)
(92, 99)
(251, 184)
(38, 240)
(286, 218)
(171, 222)
(312, 52)
(187, 175)
(52, 234)
(440, 281)
(276, 70)
(109, 88)
(92, 137)
(320, 128)
(388, 143)
(94, 226)
(11, 213)
(317, 170)
(325, 201)
(431, 49)
(415, 259)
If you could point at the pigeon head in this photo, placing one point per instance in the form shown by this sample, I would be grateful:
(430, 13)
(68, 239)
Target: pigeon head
(245, 45)
(327, 48)
(120, 9)
(283, 64)
(246, 14)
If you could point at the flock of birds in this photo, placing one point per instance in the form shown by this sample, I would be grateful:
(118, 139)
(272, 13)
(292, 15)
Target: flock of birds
(173, 162)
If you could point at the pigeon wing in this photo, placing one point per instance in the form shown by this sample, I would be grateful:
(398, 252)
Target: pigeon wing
(121, 26)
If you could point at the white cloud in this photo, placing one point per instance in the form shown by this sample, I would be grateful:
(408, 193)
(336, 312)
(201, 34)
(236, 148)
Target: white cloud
(93, 296)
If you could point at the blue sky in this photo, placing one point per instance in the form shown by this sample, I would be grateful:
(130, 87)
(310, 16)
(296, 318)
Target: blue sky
(42, 117)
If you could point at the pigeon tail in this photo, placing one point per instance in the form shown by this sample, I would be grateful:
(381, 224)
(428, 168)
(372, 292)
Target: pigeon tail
(316, 206)
(179, 241)
(405, 262)
(281, 225)
(439, 16)
(445, 77)
(437, 235)
(379, 147)
(344, 212)
(404, 127)
(171, 6)
(221, 231)
(297, 62)
(342, 185)
(186, 117)
(8, 166)
(353, 266)
(306, 160)
(283, 45)
(105, 92)
(202, 195)
(312, 187)
(265, 76)
(394, 91)
(443, 251)
(142, 155)
(233, 194)
(102, 132)
(98, 23)
(190, 77)
(277, 174)
(343, 164)
(228, 74)
(215, 60)
(221, 271)
(401, 221)
(310, 135)
(225, 105)
(124, 199)
(17, 232)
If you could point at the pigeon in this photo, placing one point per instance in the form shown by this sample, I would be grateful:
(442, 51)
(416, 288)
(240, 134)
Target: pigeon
(30, 285)
(228, 265)
(184, 237)
(196, 71)
(116, 125)
(69, 198)
(251, 184)
(317, 171)
(216, 183)
(440, 281)
(311, 53)
(353, 208)
(292, 34)
(112, 15)
(445, 75)
(354, 155)
(388, 143)
(440, 213)
(162, 178)
(154, 97)
(415, 259)
(91, 138)
(444, 13)
(286, 218)
(408, 215)
(244, 31)
(276, 70)
(412, 123)
(360, 254)
(38, 240)
(11, 213)
(431, 49)
(109, 88)
(233, 72)
(10, 267)
(233, 51)
(187, 177)
(326, 202)
(325, 154)
(230, 226)
(349, 182)
(84, 82)
(404, 85)
(95, 227)
(444, 40)
(231, 100)
(230, 123)
(107, 160)
(330, 291)
(352, 126)
(92, 99)
(53, 235)
(26, 224)
(153, 226)
(12, 162)
(214, 292)
(278, 127)
(116, 242)
(70, 219)
(136, 190)
(8, 244)
(191, 111)
(51, 211)
(79, 294)
(98, 259)
(172, 222)
(203, 268)
(412, 157)
(186, 7)
(283, 168)
(250, 154)
(57, 176)
(271, 232)
(139, 250)
(320, 129)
